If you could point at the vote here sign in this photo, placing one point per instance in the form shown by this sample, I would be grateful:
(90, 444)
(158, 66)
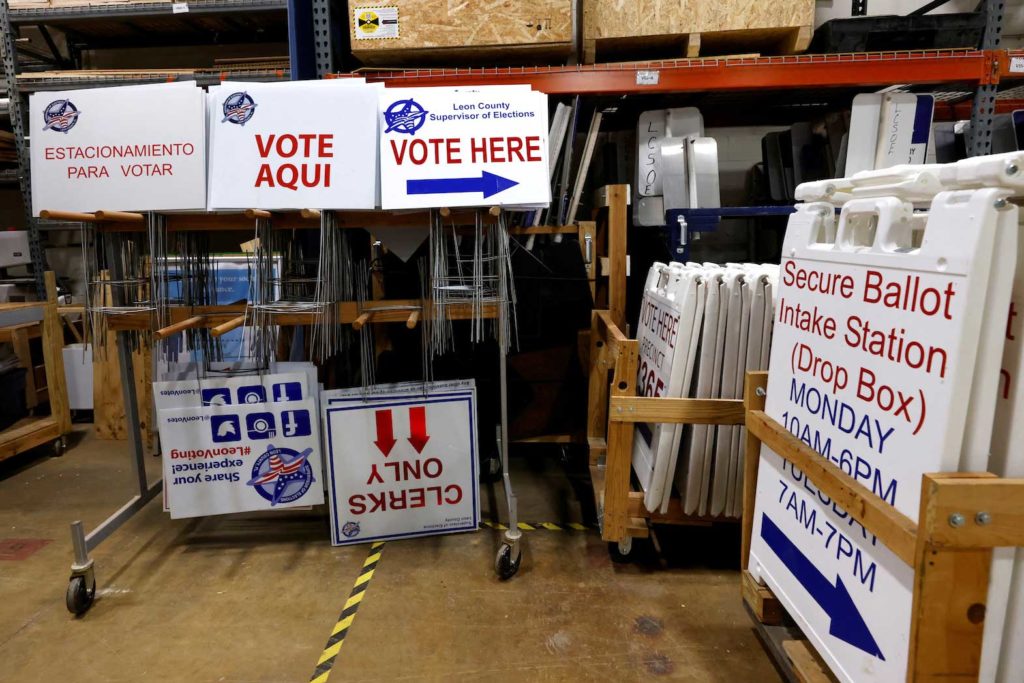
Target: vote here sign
(133, 148)
(402, 466)
(463, 147)
(293, 145)
(874, 348)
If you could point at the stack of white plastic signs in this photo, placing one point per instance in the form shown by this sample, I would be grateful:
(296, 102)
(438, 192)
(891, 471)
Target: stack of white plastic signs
(670, 319)
(238, 444)
(140, 147)
(476, 146)
(401, 460)
(886, 357)
(701, 327)
(888, 129)
(293, 145)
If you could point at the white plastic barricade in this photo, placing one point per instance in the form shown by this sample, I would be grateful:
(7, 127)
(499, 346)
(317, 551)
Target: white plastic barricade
(668, 322)
(876, 342)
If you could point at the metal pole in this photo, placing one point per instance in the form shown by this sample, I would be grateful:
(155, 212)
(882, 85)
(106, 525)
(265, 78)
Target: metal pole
(984, 106)
(10, 64)
(78, 542)
(131, 410)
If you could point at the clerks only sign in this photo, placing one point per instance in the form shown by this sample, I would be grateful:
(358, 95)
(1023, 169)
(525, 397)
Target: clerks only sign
(128, 148)
(402, 465)
(463, 147)
(293, 145)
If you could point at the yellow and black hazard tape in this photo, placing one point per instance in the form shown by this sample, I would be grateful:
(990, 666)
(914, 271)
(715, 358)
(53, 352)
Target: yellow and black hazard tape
(539, 526)
(348, 615)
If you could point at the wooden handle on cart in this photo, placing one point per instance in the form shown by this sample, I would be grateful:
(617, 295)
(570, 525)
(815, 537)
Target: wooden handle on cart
(256, 213)
(180, 326)
(75, 216)
(363, 318)
(414, 318)
(119, 216)
(310, 213)
(224, 328)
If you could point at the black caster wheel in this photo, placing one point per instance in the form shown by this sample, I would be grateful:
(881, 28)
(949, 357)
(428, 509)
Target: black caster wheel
(79, 598)
(59, 446)
(505, 566)
(620, 551)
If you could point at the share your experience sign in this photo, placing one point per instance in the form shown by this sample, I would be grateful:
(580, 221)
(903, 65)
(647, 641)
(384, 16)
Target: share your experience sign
(132, 148)
(480, 146)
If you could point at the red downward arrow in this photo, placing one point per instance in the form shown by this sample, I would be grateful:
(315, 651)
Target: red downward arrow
(385, 432)
(418, 427)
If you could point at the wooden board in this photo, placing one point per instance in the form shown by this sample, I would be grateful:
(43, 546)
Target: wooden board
(27, 433)
(430, 31)
(108, 402)
(689, 28)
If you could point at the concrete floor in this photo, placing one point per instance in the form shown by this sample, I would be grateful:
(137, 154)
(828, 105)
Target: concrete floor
(253, 598)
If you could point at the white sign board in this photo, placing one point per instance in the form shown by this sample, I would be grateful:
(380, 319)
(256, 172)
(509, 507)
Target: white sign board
(226, 391)
(133, 148)
(463, 147)
(874, 349)
(293, 145)
(239, 458)
(402, 466)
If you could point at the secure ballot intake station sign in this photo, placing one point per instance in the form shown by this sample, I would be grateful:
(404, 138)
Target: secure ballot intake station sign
(126, 148)
(463, 147)
(293, 145)
(875, 343)
(401, 461)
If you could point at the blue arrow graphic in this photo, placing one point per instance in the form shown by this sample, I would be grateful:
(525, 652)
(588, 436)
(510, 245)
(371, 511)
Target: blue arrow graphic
(488, 183)
(846, 622)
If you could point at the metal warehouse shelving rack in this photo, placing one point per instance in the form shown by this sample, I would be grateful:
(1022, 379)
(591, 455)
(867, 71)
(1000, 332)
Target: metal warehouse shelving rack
(123, 24)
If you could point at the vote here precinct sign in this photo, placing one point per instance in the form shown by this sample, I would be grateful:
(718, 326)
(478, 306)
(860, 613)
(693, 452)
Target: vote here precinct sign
(132, 148)
(463, 147)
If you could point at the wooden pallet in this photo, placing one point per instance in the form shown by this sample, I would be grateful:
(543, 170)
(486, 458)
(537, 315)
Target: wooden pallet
(747, 43)
(647, 29)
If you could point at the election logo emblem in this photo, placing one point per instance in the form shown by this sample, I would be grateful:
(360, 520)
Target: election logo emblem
(405, 116)
(282, 475)
(238, 108)
(252, 394)
(216, 397)
(368, 21)
(60, 115)
(350, 529)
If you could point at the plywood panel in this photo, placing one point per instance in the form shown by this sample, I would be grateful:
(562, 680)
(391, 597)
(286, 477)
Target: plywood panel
(635, 18)
(468, 24)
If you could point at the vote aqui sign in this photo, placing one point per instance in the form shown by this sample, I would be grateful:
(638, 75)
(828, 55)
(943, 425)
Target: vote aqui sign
(463, 147)
(119, 149)
(401, 463)
(301, 144)
(871, 366)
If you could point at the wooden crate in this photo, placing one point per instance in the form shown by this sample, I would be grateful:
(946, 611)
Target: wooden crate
(616, 29)
(463, 32)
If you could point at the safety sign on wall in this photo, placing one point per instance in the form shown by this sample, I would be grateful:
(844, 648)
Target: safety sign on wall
(126, 148)
(875, 344)
(293, 145)
(463, 147)
(239, 458)
(401, 465)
